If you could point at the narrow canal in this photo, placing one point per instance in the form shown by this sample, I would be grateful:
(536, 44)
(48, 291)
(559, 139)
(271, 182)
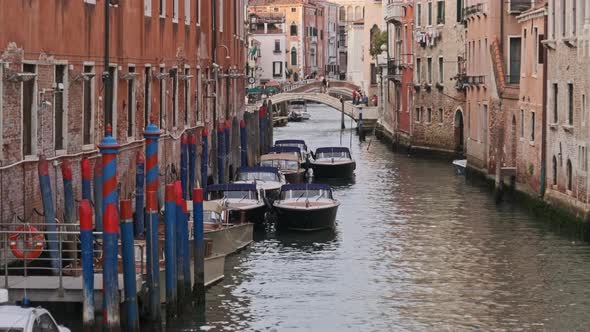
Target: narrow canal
(416, 248)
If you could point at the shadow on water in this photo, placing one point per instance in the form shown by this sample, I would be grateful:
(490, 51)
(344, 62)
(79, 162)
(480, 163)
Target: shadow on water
(306, 241)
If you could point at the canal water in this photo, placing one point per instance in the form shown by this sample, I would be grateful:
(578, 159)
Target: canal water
(416, 248)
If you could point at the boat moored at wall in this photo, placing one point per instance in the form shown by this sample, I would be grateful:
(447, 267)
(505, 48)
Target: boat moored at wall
(244, 201)
(269, 179)
(288, 164)
(333, 162)
(306, 207)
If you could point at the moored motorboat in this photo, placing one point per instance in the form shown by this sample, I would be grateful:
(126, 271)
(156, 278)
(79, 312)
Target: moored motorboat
(244, 201)
(294, 142)
(295, 116)
(306, 207)
(268, 179)
(288, 164)
(293, 150)
(333, 162)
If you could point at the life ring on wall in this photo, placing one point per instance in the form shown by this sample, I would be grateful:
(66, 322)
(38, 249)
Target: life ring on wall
(28, 245)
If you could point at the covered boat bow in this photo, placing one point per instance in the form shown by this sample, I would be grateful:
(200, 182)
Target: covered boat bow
(333, 162)
(306, 207)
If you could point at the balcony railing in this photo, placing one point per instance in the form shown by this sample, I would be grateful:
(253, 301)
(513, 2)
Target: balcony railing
(476, 9)
(394, 70)
(519, 6)
(394, 11)
(475, 80)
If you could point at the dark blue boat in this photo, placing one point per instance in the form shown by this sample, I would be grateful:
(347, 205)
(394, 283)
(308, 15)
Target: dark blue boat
(333, 162)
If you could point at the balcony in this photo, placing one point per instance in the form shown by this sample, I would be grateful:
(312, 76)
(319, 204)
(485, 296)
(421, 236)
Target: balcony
(477, 9)
(394, 12)
(475, 80)
(519, 6)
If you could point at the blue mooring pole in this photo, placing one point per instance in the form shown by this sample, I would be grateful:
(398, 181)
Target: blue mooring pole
(49, 212)
(184, 165)
(192, 164)
(204, 158)
(128, 250)
(179, 244)
(360, 125)
(198, 247)
(110, 267)
(87, 249)
(261, 120)
(170, 252)
(243, 144)
(185, 268)
(153, 259)
(139, 194)
(86, 179)
(220, 153)
(98, 195)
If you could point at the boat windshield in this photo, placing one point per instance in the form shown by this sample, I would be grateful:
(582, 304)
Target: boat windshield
(237, 194)
(212, 217)
(281, 164)
(300, 146)
(11, 329)
(257, 176)
(328, 155)
(306, 194)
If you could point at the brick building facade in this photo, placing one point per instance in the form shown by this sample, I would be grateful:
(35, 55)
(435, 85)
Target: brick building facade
(177, 61)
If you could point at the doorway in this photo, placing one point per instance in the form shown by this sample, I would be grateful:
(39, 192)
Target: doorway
(459, 131)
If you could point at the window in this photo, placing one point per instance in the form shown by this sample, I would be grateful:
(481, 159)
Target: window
(130, 103)
(58, 107)
(584, 110)
(293, 56)
(573, 16)
(175, 11)
(532, 126)
(522, 123)
(187, 12)
(174, 77)
(429, 68)
(147, 96)
(277, 46)
(162, 98)
(570, 104)
(554, 168)
(162, 8)
(45, 324)
(441, 71)
(147, 7)
(535, 49)
(29, 111)
(563, 17)
(429, 115)
(441, 116)
(221, 15)
(418, 70)
(293, 29)
(198, 14)
(417, 115)
(418, 14)
(294, 10)
(555, 102)
(108, 117)
(187, 94)
(460, 11)
(277, 69)
(440, 12)
(88, 90)
(373, 74)
(569, 174)
(429, 12)
(342, 14)
(199, 93)
(514, 60)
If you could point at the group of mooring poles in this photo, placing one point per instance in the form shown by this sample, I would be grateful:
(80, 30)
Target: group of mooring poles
(113, 217)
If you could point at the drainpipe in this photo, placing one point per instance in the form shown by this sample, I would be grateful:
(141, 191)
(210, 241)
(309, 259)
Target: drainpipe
(544, 121)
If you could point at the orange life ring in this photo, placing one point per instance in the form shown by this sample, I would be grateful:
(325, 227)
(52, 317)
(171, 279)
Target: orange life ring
(32, 242)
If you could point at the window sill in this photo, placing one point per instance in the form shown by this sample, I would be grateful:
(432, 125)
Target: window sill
(568, 128)
(163, 17)
(569, 192)
(572, 42)
(532, 143)
(554, 187)
(175, 20)
(549, 44)
(553, 126)
(61, 152)
(88, 147)
(31, 157)
(521, 139)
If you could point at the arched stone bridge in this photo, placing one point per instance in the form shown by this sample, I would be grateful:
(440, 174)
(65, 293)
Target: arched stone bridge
(370, 114)
(336, 88)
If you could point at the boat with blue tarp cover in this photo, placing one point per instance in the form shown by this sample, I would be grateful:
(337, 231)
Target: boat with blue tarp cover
(306, 207)
(245, 202)
(269, 179)
(333, 162)
(294, 142)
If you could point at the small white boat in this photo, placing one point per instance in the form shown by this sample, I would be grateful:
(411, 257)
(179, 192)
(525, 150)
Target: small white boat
(268, 179)
(460, 166)
(244, 201)
(305, 115)
(20, 319)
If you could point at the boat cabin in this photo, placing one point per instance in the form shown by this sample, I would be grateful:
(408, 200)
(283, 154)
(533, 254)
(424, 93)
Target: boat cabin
(281, 161)
(242, 191)
(306, 191)
(265, 174)
(332, 153)
(293, 142)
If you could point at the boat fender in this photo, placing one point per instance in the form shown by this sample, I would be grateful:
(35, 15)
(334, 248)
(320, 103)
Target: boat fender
(33, 242)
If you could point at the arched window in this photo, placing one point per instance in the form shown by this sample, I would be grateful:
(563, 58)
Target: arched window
(364, 11)
(569, 175)
(358, 13)
(342, 14)
(374, 30)
(293, 29)
(293, 56)
(554, 171)
(349, 14)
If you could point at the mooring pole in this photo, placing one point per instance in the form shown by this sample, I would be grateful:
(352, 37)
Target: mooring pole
(139, 194)
(204, 158)
(360, 125)
(110, 266)
(186, 262)
(109, 149)
(66, 174)
(87, 249)
(49, 213)
(243, 144)
(152, 134)
(86, 179)
(184, 166)
(170, 252)
(342, 126)
(153, 259)
(198, 248)
(192, 164)
(261, 118)
(227, 161)
(98, 195)
(128, 251)
(179, 244)
(220, 153)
